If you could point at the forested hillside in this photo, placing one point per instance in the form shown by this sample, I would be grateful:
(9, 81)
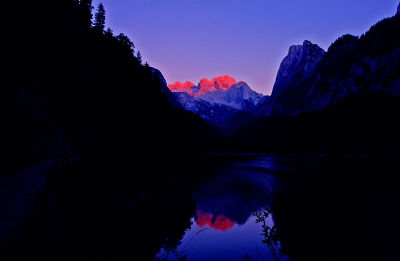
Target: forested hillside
(73, 88)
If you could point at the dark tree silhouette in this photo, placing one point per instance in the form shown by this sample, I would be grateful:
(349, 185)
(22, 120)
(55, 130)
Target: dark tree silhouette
(139, 57)
(109, 31)
(126, 42)
(86, 8)
(100, 19)
(270, 234)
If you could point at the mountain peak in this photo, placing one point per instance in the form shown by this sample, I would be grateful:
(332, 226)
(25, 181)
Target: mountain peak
(294, 49)
(224, 82)
(182, 87)
(307, 43)
(298, 65)
(297, 55)
(179, 85)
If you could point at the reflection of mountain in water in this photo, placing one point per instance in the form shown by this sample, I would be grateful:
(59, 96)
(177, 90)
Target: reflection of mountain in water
(231, 198)
(217, 222)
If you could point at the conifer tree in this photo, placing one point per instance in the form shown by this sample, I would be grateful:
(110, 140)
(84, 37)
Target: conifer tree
(109, 31)
(126, 42)
(86, 8)
(100, 19)
(139, 57)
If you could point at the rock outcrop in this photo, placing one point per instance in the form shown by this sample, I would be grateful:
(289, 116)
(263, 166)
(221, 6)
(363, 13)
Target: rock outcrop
(298, 66)
(398, 9)
(311, 80)
(164, 88)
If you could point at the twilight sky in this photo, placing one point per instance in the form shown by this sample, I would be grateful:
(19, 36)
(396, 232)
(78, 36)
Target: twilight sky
(247, 39)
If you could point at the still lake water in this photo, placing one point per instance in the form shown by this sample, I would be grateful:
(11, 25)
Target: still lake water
(317, 208)
(224, 225)
(249, 208)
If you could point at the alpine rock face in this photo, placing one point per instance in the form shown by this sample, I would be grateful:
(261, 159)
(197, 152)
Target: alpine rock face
(158, 76)
(310, 79)
(398, 9)
(217, 101)
(298, 66)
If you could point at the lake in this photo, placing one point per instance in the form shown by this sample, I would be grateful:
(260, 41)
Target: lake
(250, 207)
(312, 207)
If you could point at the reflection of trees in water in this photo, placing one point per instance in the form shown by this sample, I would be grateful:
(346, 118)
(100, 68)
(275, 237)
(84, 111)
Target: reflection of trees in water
(270, 233)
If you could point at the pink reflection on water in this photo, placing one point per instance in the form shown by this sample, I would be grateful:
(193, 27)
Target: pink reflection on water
(220, 222)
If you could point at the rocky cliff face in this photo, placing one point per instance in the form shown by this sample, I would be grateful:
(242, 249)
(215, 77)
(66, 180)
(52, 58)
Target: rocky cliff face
(310, 79)
(370, 74)
(356, 64)
(157, 75)
(298, 66)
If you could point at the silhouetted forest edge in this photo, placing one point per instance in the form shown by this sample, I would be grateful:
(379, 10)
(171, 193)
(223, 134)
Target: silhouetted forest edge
(72, 88)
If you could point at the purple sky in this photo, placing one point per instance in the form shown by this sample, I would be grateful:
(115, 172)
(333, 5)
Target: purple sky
(247, 39)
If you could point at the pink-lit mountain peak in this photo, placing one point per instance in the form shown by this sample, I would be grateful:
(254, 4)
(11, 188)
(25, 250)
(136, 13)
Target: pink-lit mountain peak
(224, 82)
(218, 83)
(179, 85)
(182, 87)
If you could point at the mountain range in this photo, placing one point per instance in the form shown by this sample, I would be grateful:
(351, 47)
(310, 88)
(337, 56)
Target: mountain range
(338, 87)
(71, 90)
(310, 79)
(356, 76)
(217, 101)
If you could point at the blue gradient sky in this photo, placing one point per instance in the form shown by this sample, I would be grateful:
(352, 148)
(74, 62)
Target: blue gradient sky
(247, 39)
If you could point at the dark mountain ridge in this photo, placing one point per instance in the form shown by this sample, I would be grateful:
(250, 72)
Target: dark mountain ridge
(312, 86)
(348, 101)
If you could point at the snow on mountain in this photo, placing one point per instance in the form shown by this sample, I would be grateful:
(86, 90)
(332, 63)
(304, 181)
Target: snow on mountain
(238, 96)
(218, 100)
(224, 82)
(182, 87)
